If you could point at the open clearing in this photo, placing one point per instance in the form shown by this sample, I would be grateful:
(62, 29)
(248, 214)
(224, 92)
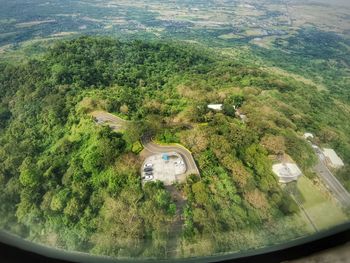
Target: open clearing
(168, 171)
(322, 210)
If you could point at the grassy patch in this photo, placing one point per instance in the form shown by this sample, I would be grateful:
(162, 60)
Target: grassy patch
(321, 209)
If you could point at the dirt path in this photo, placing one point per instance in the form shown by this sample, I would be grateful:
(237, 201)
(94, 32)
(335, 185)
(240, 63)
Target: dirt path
(176, 228)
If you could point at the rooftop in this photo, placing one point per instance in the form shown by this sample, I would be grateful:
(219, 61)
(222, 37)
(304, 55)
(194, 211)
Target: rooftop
(308, 135)
(286, 172)
(333, 157)
(215, 106)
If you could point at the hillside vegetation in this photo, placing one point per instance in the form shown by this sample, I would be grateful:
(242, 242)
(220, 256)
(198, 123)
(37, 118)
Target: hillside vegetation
(66, 182)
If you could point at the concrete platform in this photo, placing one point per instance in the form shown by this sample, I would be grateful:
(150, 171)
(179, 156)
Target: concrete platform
(167, 171)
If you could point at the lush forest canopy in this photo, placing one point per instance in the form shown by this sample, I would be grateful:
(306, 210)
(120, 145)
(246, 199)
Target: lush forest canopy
(68, 183)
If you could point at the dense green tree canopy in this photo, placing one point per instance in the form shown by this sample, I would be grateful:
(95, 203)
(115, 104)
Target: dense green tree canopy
(68, 182)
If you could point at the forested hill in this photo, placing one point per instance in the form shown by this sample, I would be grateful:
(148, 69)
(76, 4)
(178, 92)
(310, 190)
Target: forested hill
(68, 183)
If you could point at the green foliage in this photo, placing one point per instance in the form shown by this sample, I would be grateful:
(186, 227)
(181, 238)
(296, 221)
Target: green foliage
(5, 115)
(288, 205)
(102, 149)
(167, 136)
(66, 180)
(29, 175)
(343, 175)
(59, 200)
(228, 109)
(137, 147)
(300, 151)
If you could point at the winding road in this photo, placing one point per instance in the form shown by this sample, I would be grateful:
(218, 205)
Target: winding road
(117, 124)
(150, 147)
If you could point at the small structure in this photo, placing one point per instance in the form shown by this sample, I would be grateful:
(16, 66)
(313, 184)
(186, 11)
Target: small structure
(332, 159)
(286, 172)
(165, 157)
(308, 135)
(216, 107)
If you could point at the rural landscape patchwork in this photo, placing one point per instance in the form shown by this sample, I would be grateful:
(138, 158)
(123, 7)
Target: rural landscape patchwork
(173, 129)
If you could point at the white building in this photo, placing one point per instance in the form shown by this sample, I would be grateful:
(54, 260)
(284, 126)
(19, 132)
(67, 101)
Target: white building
(308, 135)
(243, 118)
(332, 159)
(217, 107)
(286, 172)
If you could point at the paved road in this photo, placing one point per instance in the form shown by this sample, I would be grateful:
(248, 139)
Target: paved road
(117, 124)
(153, 148)
(150, 148)
(331, 182)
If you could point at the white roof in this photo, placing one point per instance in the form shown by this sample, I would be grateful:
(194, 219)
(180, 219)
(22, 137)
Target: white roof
(286, 170)
(333, 157)
(308, 135)
(215, 106)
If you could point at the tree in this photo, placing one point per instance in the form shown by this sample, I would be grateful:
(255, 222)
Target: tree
(120, 228)
(29, 175)
(228, 109)
(5, 115)
(300, 150)
(200, 193)
(103, 148)
(135, 129)
(72, 208)
(236, 100)
(196, 139)
(287, 205)
(124, 109)
(255, 157)
(274, 144)
(59, 200)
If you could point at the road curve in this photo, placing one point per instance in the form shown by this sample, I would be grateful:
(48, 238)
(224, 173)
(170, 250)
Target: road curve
(150, 148)
(117, 124)
(153, 148)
